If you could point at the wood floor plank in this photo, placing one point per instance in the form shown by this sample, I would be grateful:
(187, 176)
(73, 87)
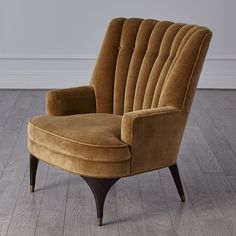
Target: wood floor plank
(78, 208)
(200, 150)
(37, 107)
(13, 173)
(185, 150)
(229, 133)
(15, 165)
(7, 141)
(155, 209)
(224, 197)
(218, 183)
(217, 99)
(2, 92)
(19, 111)
(201, 114)
(215, 139)
(183, 215)
(26, 212)
(23, 208)
(221, 150)
(10, 184)
(192, 121)
(7, 103)
(219, 106)
(129, 208)
(224, 117)
(12, 127)
(232, 181)
(210, 218)
(52, 210)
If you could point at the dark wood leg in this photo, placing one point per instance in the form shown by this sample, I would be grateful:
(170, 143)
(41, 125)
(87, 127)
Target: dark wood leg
(175, 174)
(100, 188)
(33, 169)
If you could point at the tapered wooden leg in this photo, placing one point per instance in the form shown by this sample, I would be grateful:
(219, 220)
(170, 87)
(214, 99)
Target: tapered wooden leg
(100, 188)
(33, 169)
(175, 174)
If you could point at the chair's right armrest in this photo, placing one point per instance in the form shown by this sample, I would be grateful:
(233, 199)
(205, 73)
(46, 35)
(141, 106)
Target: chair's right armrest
(71, 101)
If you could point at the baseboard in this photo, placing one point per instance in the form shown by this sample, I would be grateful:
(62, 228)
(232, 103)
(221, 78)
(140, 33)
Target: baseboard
(42, 81)
(45, 73)
(217, 81)
(219, 73)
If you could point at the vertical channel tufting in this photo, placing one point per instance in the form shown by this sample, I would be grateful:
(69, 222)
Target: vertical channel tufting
(126, 48)
(181, 72)
(141, 45)
(169, 48)
(180, 39)
(154, 48)
(142, 62)
(147, 62)
(104, 71)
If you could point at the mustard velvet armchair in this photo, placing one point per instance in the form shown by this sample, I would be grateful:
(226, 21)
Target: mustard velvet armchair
(131, 117)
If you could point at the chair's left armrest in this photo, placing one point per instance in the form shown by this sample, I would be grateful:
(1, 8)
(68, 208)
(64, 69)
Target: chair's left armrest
(154, 137)
(71, 101)
(150, 121)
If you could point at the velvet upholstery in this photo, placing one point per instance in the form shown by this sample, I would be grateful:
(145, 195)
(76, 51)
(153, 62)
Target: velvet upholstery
(139, 99)
(71, 101)
(88, 144)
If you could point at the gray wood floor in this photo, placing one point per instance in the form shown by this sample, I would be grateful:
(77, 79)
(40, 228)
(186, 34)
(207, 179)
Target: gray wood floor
(146, 204)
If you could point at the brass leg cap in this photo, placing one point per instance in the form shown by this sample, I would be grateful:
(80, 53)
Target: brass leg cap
(31, 188)
(182, 198)
(99, 221)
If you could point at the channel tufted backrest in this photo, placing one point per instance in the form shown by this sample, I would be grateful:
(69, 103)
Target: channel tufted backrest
(147, 64)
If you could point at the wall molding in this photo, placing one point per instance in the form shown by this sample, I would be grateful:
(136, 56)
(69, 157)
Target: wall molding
(82, 57)
(41, 81)
(44, 72)
(221, 58)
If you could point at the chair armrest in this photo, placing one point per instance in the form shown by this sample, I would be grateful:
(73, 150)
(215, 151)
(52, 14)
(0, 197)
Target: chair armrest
(71, 101)
(154, 136)
(147, 121)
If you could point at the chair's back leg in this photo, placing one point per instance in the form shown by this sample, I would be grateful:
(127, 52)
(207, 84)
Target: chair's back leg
(175, 174)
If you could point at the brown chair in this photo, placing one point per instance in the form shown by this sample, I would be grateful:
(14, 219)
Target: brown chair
(131, 117)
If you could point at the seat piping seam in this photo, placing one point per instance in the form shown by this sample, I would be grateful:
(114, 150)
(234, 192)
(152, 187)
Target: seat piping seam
(77, 142)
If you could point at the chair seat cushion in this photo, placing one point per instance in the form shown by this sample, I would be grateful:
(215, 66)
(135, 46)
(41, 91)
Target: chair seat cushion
(87, 144)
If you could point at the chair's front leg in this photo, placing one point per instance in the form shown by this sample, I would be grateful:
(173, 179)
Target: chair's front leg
(100, 188)
(33, 169)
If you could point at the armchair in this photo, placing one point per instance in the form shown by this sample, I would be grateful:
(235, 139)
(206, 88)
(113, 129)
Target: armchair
(131, 117)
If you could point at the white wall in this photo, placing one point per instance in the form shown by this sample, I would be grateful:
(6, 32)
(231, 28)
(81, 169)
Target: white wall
(54, 43)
